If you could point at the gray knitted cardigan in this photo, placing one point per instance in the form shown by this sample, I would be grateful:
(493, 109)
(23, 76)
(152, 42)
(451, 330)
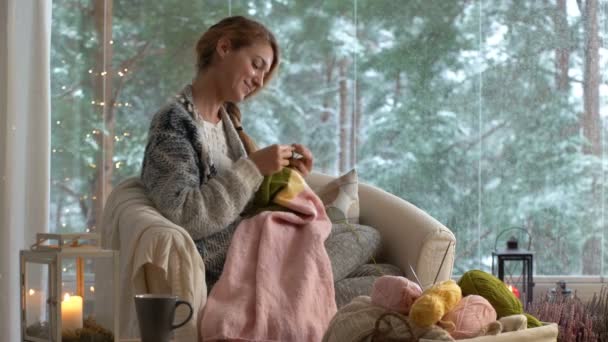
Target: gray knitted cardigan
(182, 182)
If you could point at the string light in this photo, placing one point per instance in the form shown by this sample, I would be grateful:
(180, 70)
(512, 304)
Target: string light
(117, 138)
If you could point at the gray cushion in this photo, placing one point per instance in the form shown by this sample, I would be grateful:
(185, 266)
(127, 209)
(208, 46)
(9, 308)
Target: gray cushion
(376, 270)
(350, 288)
(349, 246)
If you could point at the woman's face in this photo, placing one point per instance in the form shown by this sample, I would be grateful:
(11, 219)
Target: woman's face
(243, 70)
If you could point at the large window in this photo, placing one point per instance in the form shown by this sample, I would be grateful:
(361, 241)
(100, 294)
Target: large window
(486, 114)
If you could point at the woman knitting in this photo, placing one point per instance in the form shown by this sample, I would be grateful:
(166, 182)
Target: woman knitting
(200, 169)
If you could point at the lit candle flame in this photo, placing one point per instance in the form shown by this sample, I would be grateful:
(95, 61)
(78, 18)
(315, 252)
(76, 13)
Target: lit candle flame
(66, 297)
(92, 288)
(31, 292)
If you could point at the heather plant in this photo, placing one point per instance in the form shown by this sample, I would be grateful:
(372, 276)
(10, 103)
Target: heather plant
(598, 310)
(575, 321)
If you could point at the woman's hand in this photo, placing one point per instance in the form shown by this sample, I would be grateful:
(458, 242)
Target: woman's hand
(272, 159)
(303, 164)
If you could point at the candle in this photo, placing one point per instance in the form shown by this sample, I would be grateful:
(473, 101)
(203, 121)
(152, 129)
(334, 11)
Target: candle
(514, 290)
(33, 306)
(71, 312)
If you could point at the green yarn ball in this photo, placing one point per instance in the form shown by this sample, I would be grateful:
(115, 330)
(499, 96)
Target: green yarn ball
(476, 282)
(533, 322)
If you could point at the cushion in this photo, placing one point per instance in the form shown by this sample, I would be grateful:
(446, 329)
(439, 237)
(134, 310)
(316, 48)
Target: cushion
(351, 288)
(377, 270)
(350, 246)
(341, 198)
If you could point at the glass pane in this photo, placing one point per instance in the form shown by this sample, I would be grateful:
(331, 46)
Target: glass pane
(79, 93)
(603, 60)
(419, 95)
(153, 58)
(88, 296)
(484, 116)
(310, 100)
(37, 311)
(540, 134)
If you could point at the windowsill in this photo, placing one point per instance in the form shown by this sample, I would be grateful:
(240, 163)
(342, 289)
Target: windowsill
(584, 286)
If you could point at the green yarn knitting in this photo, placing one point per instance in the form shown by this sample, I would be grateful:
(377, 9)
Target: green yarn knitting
(476, 282)
(270, 187)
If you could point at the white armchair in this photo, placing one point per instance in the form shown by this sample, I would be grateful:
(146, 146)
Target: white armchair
(157, 256)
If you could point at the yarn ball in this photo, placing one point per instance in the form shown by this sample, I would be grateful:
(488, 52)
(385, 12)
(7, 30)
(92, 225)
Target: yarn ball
(470, 316)
(434, 303)
(514, 323)
(533, 322)
(395, 293)
(476, 282)
(494, 328)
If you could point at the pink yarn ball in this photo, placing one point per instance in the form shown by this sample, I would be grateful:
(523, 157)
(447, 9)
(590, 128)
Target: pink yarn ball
(469, 316)
(395, 293)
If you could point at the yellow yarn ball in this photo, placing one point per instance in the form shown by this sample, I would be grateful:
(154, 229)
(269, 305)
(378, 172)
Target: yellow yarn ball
(435, 302)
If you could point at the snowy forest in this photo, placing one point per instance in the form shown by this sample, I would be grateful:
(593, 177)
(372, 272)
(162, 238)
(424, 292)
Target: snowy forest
(487, 114)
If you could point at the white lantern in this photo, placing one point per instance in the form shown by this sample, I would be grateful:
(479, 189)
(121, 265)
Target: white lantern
(69, 289)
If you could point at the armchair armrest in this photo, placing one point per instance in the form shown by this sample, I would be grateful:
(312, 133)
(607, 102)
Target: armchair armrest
(410, 236)
(156, 256)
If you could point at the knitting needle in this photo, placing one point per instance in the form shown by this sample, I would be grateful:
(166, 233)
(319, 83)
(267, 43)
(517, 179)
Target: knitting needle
(442, 261)
(415, 276)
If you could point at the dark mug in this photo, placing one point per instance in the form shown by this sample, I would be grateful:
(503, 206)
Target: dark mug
(155, 314)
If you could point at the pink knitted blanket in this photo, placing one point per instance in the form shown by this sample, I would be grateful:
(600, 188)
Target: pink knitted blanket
(277, 283)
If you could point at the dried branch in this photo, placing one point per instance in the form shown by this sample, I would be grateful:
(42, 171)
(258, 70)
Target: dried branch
(129, 64)
(469, 144)
(81, 201)
(579, 4)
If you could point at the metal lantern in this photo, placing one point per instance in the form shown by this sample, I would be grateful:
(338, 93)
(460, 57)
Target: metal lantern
(69, 289)
(515, 266)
